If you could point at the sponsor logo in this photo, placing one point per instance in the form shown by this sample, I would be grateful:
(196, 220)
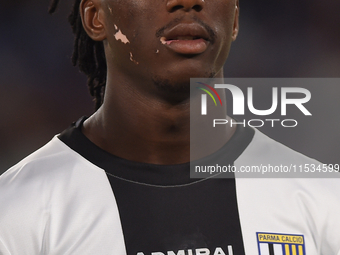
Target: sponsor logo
(280, 244)
(200, 251)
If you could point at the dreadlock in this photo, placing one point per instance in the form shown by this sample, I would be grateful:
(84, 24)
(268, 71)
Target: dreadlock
(87, 54)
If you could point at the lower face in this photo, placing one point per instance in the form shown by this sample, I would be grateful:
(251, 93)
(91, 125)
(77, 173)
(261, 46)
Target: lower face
(137, 43)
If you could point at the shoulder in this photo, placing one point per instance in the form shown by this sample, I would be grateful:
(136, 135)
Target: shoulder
(53, 160)
(46, 183)
(53, 168)
(266, 156)
(264, 149)
(284, 169)
(50, 197)
(48, 170)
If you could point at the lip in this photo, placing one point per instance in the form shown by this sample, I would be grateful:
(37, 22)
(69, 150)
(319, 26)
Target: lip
(186, 38)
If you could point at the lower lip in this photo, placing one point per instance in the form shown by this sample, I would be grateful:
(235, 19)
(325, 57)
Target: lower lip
(188, 47)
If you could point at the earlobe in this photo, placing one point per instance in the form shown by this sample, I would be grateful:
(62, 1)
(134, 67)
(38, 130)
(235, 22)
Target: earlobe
(236, 21)
(93, 19)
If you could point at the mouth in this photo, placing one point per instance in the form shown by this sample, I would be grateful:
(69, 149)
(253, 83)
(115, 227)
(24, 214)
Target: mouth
(186, 38)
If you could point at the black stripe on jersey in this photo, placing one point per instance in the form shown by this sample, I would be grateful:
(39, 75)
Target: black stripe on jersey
(163, 210)
(271, 249)
(201, 215)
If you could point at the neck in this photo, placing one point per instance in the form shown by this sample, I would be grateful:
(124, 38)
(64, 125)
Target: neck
(148, 129)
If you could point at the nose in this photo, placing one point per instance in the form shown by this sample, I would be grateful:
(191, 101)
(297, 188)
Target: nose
(185, 5)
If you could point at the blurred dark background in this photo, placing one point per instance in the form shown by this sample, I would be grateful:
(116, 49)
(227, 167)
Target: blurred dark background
(41, 93)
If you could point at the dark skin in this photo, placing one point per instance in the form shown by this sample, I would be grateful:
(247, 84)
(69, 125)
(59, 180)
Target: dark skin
(146, 111)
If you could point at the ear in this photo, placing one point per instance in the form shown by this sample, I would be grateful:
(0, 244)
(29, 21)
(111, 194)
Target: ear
(236, 21)
(92, 17)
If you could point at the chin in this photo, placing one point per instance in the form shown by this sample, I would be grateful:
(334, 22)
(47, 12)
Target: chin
(177, 89)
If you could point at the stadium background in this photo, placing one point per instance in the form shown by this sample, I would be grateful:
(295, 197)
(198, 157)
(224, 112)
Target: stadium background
(41, 93)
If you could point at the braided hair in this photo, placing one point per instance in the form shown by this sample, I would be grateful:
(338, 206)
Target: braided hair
(88, 54)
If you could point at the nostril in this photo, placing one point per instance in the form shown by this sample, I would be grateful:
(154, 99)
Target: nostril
(185, 5)
(176, 7)
(197, 7)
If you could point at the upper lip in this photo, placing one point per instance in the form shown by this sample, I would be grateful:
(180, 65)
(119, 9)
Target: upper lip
(194, 30)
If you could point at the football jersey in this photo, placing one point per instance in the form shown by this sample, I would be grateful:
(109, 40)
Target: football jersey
(71, 197)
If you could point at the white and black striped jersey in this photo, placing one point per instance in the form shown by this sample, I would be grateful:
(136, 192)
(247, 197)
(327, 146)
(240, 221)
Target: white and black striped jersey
(71, 197)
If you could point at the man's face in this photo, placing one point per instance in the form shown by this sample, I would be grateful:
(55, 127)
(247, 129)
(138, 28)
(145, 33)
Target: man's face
(169, 41)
